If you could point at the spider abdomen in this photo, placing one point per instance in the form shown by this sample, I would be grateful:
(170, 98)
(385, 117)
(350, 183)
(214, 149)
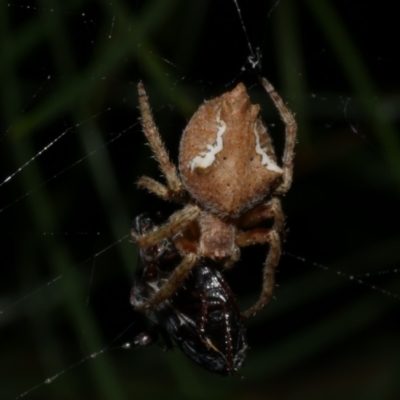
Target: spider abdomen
(224, 161)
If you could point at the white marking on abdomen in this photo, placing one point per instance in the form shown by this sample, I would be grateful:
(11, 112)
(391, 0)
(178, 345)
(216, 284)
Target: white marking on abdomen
(265, 159)
(206, 158)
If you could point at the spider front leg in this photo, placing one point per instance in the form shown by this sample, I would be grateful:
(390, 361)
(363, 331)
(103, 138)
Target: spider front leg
(271, 209)
(172, 284)
(272, 238)
(176, 223)
(175, 186)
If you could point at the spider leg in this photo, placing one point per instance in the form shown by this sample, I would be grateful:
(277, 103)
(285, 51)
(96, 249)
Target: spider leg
(176, 223)
(271, 237)
(160, 190)
(154, 187)
(156, 144)
(270, 209)
(172, 284)
(266, 210)
(290, 134)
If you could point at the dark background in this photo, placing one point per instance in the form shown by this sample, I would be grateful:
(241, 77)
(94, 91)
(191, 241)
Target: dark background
(68, 76)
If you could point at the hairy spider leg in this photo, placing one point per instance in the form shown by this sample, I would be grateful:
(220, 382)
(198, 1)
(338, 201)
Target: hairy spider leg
(290, 135)
(271, 209)
(168, 169)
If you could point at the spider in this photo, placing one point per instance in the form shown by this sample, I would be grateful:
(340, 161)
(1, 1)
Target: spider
(229, 181)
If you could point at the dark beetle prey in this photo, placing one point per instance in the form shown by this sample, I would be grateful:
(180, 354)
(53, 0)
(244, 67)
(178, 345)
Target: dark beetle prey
(202, 317)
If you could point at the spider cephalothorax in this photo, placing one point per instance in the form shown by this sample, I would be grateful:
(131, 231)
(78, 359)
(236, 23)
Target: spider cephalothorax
(229, 181)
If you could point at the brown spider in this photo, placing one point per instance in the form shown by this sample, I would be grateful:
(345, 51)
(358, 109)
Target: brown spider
(229, 181)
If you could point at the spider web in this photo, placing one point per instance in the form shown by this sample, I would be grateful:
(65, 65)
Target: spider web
(71, 150)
